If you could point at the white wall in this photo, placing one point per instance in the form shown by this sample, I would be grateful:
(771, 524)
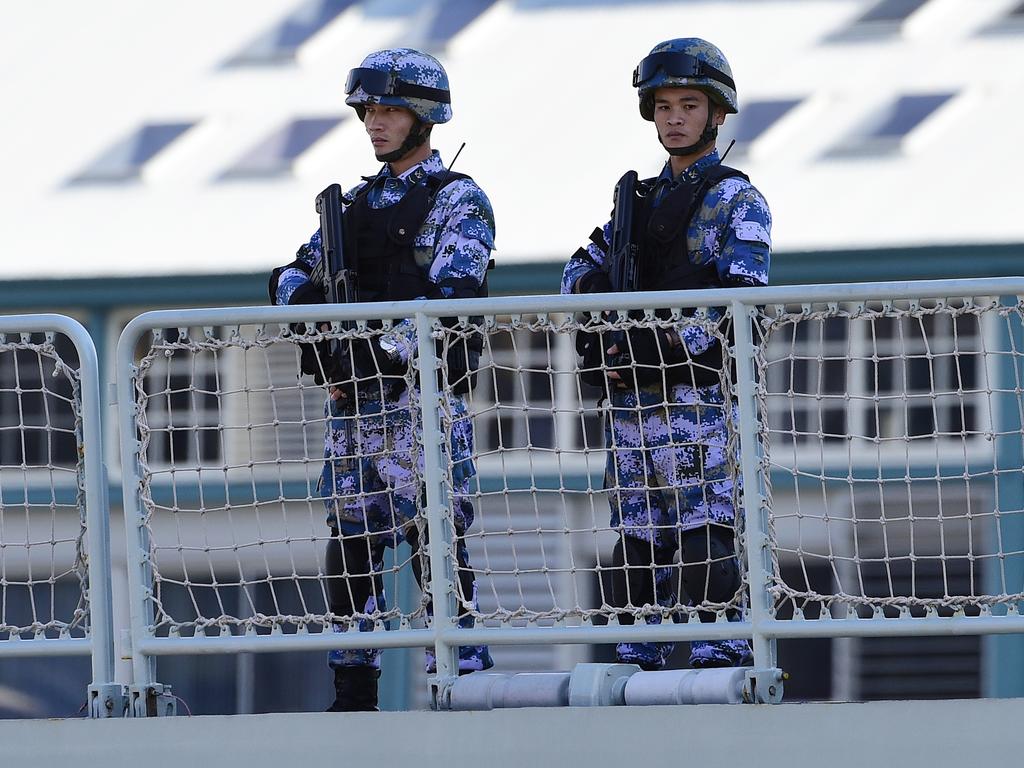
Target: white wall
(937, 734)
(542, 96)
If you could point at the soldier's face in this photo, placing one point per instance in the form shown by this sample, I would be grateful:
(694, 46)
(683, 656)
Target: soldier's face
(681, 114)
(387, 127)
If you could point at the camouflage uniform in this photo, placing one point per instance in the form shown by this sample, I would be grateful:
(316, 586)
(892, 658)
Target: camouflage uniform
(669, 470)
(372, 463)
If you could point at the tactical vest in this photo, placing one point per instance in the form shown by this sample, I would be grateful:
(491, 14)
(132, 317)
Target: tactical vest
(383, 241)
(660, 229)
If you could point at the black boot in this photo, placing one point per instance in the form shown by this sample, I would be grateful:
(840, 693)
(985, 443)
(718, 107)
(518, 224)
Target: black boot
(355, 689)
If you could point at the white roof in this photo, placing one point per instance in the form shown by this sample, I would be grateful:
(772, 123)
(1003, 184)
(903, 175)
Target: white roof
(542, 96)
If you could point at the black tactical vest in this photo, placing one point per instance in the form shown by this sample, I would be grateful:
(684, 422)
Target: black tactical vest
(383, 241)
(660, 230)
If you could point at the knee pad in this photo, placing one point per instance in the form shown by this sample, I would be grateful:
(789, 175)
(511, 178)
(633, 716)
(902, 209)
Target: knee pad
(710, 570)
(633, 573)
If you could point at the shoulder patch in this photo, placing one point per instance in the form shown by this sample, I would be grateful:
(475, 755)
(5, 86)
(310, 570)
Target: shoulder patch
(474, 229)
(753, 231)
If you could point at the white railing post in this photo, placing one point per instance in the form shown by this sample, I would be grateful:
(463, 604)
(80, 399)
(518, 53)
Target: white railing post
(438, 512)
(766, 678)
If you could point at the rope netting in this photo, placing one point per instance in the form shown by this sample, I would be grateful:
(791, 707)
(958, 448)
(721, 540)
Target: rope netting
(552, 502)
(232, 460)
(43, 563)
(892, 436)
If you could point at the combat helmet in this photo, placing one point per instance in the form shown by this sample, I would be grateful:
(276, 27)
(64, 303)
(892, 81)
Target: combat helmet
(401, 77)
(687, 62)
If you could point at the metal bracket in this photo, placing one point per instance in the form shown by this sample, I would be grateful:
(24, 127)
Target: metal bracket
(108, 700)
(441, 693)
(599, 685)
(153, 700)
(764, 686)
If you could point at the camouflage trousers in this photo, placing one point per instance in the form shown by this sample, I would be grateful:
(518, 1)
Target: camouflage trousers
(371, 485)
(670, 469)
(373, 465)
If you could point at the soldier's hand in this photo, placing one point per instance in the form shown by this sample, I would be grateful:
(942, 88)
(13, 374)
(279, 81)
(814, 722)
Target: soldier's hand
(613, 350)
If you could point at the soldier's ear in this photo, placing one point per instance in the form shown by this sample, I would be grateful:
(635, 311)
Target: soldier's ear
(719, 115)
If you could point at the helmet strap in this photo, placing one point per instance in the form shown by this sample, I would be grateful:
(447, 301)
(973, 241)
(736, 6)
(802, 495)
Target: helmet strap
(707, 137)
(417, 135)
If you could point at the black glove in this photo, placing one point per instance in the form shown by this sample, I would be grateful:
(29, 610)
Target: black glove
(594, 281)
(648, 348)
(372, 361)
(316, 359)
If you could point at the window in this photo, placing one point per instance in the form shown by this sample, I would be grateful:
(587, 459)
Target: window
(877, 380)
(37, 410)
(182, 411)
(276, 155)
(450, 18)
(126, 159)
(281, 43)
(1011, 22)
(886, 132)
(883, 19)
(752, 121)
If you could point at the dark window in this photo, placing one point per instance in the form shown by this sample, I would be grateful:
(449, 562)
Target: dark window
(451, 17)
(183, 403)
(753, 120)
(125, 160)
(883, 19)
(908, 112)
(275, 155)
(890, 10)
(1011, 22)
(895, 123)
(37, 410)
(282, 42)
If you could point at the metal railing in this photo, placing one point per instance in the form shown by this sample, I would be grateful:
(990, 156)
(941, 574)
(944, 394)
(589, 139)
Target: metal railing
(216, 331)
(35, 487)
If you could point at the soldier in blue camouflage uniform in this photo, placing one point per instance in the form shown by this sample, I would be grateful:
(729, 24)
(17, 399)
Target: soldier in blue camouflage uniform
(669, 475)
(417, 231)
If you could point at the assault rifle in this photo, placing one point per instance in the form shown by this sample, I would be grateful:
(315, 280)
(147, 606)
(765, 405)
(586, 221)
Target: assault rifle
(338, 282)
(623, 258)
(623, 270)
(333, 273)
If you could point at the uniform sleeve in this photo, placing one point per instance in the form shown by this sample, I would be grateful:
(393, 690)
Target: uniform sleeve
(464, 241)
(737, 234)
(747, 241)
(296, 275)
(586, 259)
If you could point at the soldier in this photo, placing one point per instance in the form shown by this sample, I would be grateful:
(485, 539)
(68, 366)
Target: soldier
(696, 225)
(414, 230)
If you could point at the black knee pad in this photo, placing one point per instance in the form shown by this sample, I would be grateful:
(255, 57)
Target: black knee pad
(349, 564)
(710, 570)
(633, 585)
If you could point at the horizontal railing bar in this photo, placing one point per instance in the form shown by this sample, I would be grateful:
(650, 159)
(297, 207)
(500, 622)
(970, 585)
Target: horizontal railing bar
(312, 641)
(930, 625)
(541, 303)
(60, 646)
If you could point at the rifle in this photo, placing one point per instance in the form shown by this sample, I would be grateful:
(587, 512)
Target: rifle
(623, 258)
(333, 273)
(624, 271)
(332, 361)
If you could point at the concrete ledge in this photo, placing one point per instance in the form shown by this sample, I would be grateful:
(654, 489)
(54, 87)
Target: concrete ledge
(936, 734)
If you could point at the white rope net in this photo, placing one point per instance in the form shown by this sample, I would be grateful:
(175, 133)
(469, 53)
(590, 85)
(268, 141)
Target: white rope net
(43, 564)
(543, 537)
(232, 453)
(892, 435)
